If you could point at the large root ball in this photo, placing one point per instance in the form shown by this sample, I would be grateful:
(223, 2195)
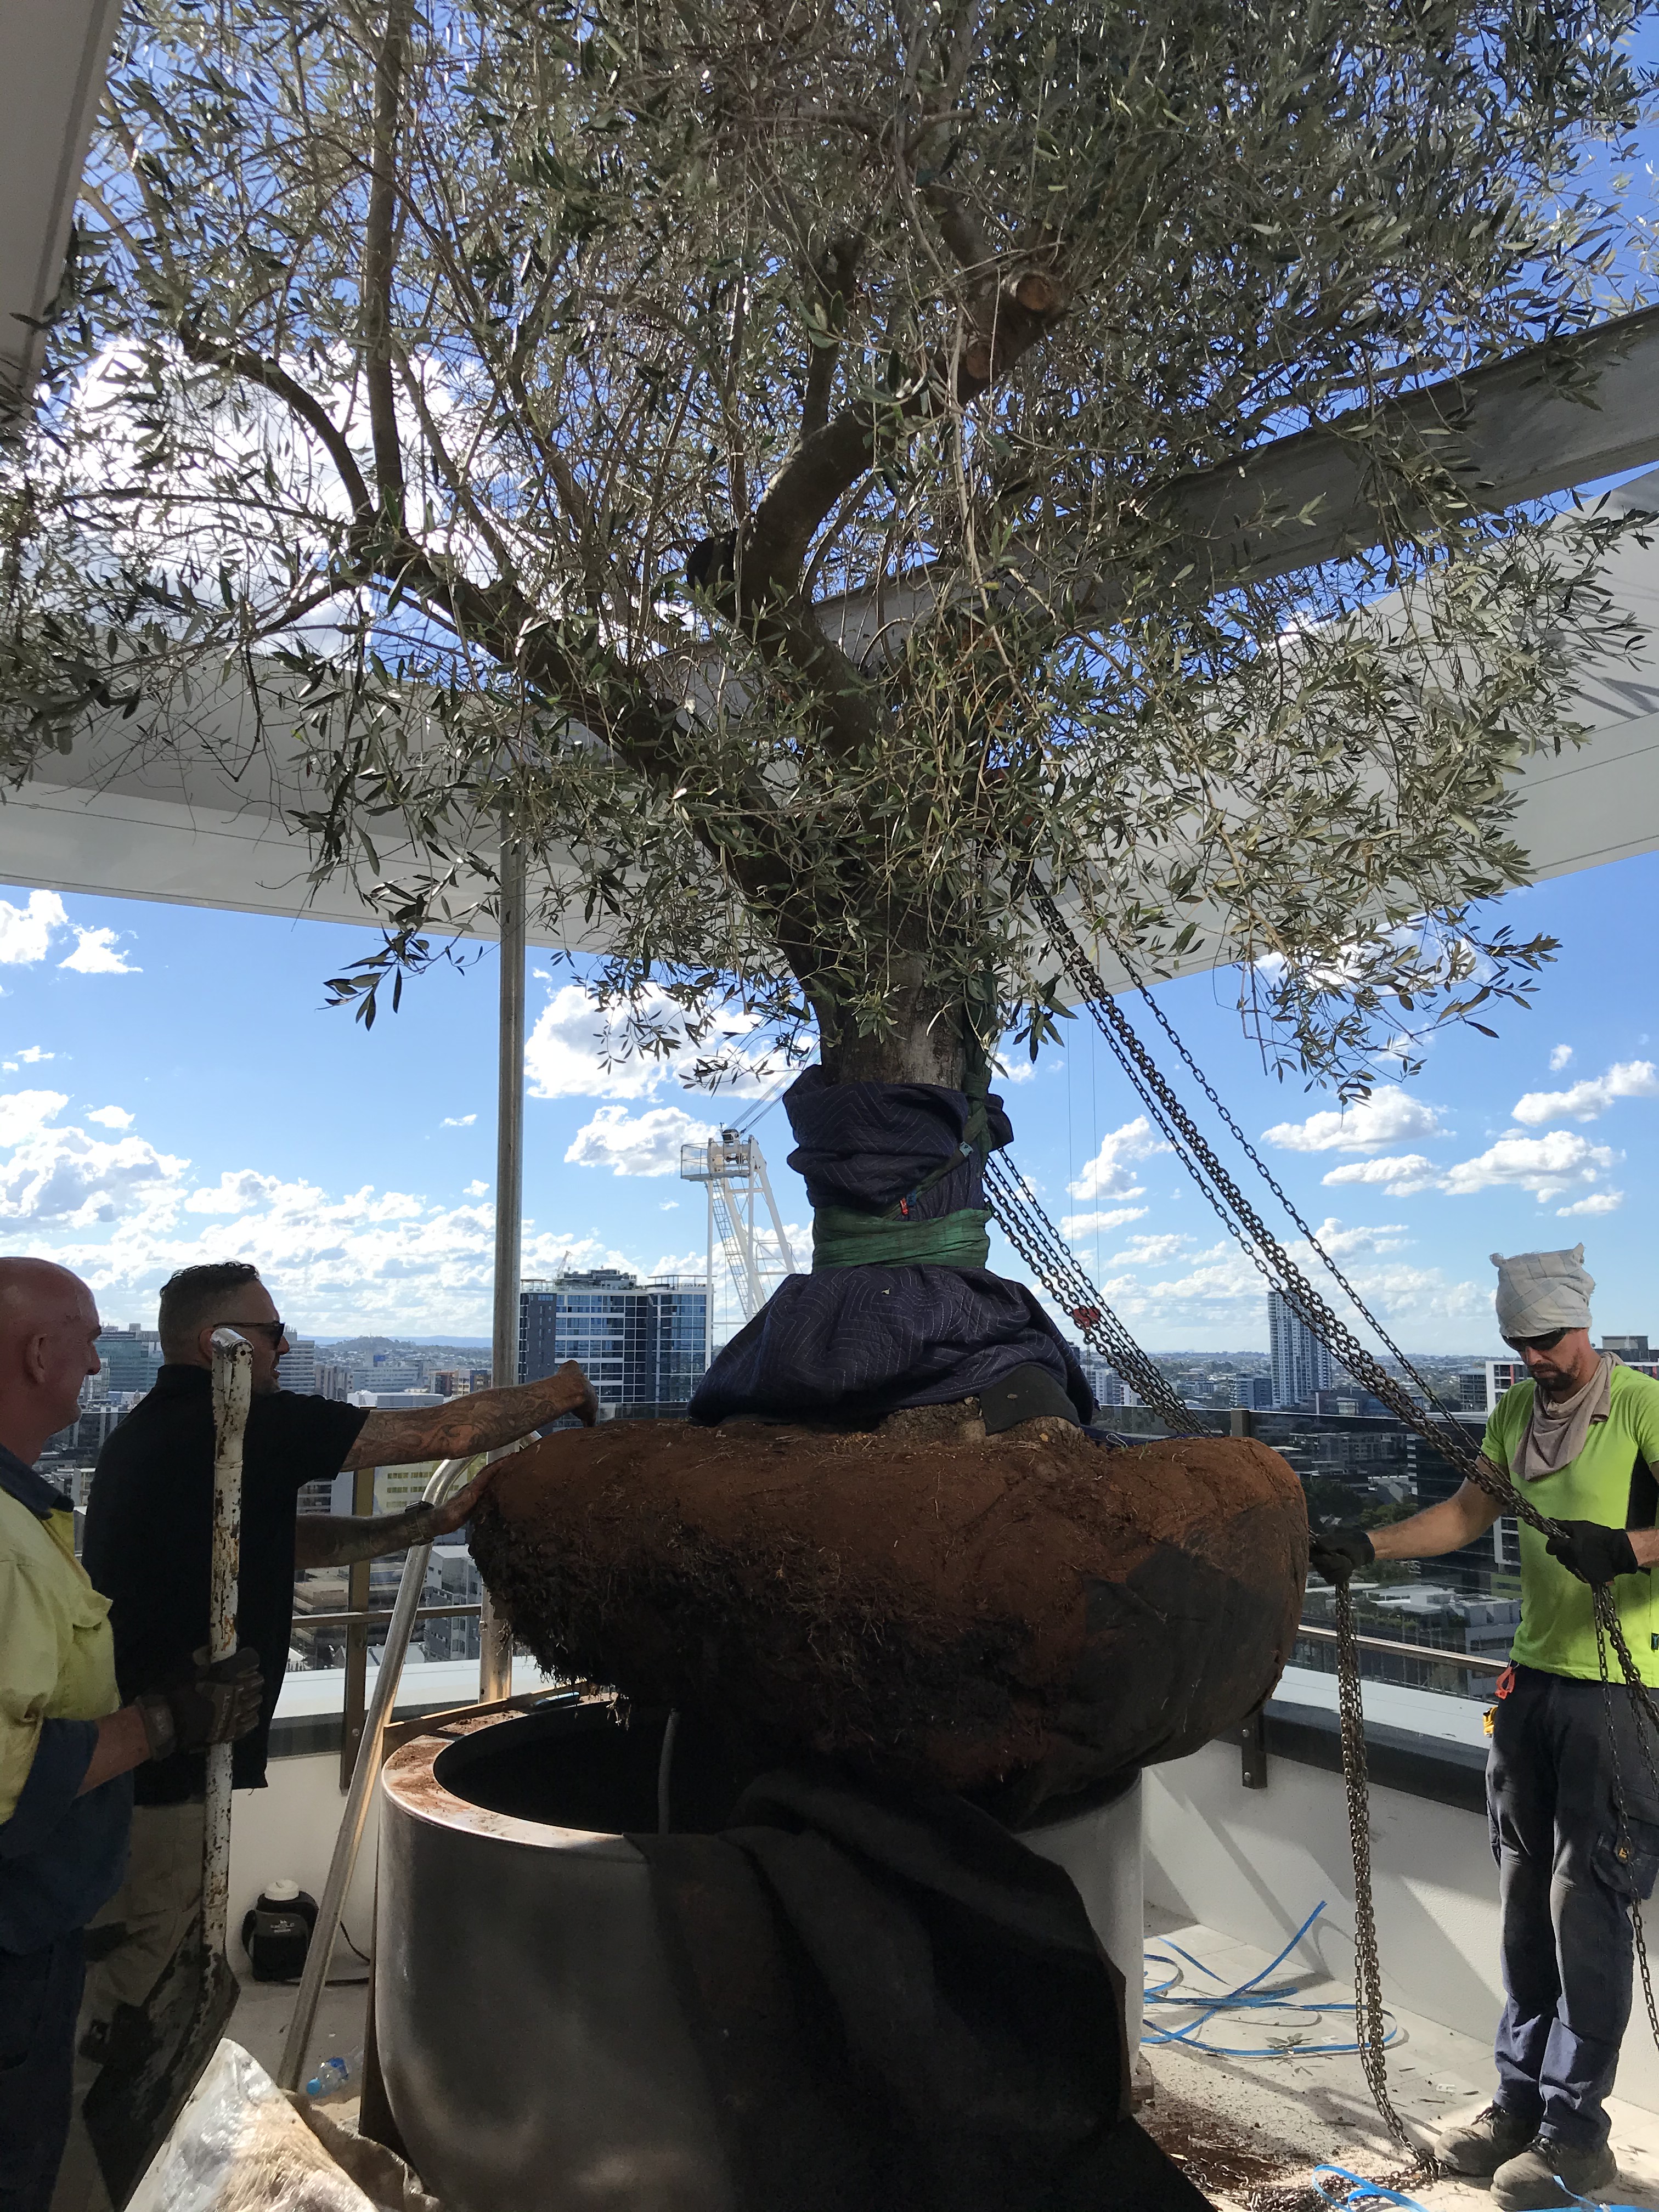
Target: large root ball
(1021, 1617)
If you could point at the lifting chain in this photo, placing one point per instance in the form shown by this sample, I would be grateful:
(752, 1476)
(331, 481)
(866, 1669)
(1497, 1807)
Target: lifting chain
(1275, 1264)
(1050, 1259)
(1370, 2028)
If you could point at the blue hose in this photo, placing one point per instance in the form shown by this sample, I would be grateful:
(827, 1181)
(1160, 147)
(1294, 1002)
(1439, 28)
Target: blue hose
(1252, 1996)
(1374, 2192)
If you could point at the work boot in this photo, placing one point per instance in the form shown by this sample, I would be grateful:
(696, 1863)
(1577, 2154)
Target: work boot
(1547, 2173)
(1481, 2145)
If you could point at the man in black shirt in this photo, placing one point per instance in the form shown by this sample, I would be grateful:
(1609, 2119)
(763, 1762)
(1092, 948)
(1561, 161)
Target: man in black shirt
(148, 1546)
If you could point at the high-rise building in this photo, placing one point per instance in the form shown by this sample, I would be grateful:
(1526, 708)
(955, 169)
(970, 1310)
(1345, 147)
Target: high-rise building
(1253, 1392)
(1302, 1364)
(447, 1383)
(1097, 1373)
(638, 1343)
(297, 1368)
(333, 1380)
(131, 1356)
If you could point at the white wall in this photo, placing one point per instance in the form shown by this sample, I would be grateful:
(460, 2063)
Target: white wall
(288, 1829)
(1253, 1863)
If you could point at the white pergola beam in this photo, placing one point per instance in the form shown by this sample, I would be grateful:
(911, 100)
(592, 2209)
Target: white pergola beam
(55, 53)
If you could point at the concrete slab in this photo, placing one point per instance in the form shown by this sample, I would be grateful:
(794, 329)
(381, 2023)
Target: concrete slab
(1251, 2129)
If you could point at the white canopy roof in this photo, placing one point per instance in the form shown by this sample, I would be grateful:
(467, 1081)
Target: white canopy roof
(55, 53)
(213, 825)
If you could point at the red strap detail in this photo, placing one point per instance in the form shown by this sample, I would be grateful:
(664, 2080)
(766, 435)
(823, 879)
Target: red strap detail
(1505, 1681)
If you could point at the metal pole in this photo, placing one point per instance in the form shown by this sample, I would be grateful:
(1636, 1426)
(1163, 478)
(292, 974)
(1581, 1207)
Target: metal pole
(495, 1635)
(447, 1478)
(232, 1388)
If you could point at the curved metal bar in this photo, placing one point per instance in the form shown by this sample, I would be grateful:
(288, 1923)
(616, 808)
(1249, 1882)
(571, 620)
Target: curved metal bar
(447, 1477)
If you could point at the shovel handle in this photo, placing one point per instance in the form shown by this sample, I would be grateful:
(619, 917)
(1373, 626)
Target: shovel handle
(233, 1391)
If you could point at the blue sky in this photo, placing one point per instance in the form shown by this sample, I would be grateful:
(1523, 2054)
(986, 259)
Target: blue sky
(173, 1089)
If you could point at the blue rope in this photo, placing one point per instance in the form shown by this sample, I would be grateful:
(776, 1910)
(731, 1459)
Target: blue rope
(1254, 1995)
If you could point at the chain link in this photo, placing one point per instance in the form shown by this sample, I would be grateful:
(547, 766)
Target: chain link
(1370, 2029)
(1050, 1259)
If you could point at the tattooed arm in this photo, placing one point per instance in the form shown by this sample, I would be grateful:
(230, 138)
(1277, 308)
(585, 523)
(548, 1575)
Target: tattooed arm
(455, 1430)
(480, 1422)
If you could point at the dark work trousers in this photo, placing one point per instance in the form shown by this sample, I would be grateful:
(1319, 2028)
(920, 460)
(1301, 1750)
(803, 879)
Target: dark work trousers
(39, 1997)
(1567, 1872)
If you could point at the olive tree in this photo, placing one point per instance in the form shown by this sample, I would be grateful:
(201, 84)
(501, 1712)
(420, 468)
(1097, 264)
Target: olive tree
(733, 441)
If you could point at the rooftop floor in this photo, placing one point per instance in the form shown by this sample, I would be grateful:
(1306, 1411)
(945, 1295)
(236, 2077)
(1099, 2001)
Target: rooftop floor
(1251, 2130)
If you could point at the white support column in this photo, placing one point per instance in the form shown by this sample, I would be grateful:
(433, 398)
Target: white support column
(495, 1635)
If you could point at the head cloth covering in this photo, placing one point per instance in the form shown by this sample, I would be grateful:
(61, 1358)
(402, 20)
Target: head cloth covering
(1538, 1291)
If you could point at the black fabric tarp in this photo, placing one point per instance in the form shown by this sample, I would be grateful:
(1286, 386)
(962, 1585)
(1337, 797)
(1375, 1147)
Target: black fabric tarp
(900, 2008)
(855, 1344)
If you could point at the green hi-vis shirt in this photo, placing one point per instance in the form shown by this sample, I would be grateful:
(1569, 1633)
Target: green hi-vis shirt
(1611, 1482)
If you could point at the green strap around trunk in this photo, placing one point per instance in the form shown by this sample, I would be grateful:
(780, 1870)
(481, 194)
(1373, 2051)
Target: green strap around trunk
(841, 1238)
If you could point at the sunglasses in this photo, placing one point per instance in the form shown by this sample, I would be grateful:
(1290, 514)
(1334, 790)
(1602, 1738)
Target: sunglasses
(1547, 1342)
(273, 1330)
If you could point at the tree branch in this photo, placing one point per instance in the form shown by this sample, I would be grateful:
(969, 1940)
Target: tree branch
(836, 273)
(380, 250)
(243, 361)
(1008, 318)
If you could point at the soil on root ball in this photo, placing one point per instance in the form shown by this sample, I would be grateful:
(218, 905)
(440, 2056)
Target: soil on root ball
(1021, 1617)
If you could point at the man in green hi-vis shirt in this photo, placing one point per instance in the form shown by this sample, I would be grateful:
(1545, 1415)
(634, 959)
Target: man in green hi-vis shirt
(1574, 1809)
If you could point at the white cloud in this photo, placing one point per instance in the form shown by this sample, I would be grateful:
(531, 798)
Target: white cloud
(237, 1191)
(96, 953)
(111, 1117)
(1546, 1166)
(1599, 1201)
(1149, 1251)
(26, 931)
(65, 1177)
(124, 1216)
(1219, 1289)
(1107, 1174)
(565, 1052)
(33, 1054)
(1400, 1175)
(1625, 1079)
(1559, 1055)
(1387, 1236)
(459, 1121)
(637, 1145)
(1387, 1116)
(475, 1190)
(22, 1112)
(669, 1206)
(688, 1263)
(1074, 1225)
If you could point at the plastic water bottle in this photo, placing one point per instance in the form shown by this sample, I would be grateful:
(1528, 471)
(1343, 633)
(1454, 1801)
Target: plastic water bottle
(333, 2075)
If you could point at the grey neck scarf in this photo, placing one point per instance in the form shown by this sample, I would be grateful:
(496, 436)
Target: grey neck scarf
(1559, 1427)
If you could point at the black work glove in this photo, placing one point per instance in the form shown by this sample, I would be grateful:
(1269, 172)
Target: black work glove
(1335, 1552)
(212, 1704)
(1592, 1553)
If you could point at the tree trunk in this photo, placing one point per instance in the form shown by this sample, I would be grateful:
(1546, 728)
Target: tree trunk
(922, 1043)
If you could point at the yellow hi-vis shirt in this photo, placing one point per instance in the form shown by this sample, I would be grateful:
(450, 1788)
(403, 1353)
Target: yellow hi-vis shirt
(56, 1655)
(1611, 1482)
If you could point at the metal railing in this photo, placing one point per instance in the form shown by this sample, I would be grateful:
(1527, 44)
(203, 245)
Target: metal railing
(359, 1620)
(1433, 1654)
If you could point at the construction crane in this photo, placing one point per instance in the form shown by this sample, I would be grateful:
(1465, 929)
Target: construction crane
(731, 1168)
